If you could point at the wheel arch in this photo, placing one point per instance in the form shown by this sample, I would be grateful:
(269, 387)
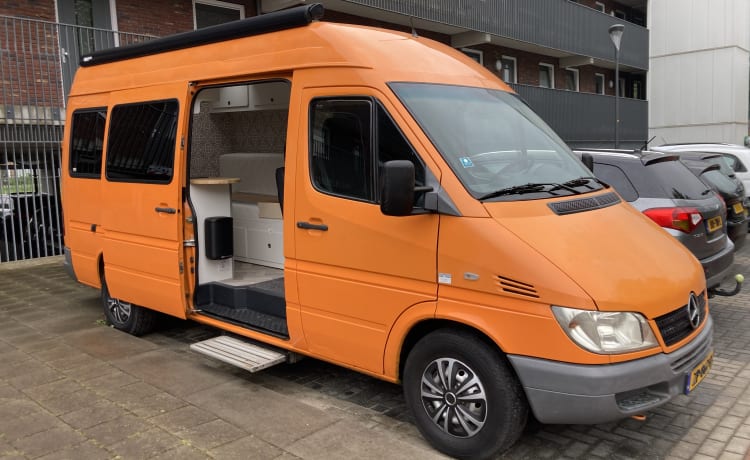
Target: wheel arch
(425, 327)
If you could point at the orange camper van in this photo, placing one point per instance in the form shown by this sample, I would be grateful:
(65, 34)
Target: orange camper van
(380, 201)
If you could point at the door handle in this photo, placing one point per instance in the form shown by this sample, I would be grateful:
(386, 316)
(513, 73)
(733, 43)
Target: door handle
(309, 226)
(166, 210)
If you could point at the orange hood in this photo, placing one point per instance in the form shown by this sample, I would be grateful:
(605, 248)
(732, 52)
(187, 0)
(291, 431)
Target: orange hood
(618, 256)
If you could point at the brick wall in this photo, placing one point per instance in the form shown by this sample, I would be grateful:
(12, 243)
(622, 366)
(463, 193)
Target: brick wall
(31, 9)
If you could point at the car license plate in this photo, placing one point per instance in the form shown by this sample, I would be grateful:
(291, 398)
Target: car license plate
(738, 208)
(714, 224)
(698, 373)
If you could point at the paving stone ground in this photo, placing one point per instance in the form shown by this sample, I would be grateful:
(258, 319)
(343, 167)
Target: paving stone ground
(71, 387)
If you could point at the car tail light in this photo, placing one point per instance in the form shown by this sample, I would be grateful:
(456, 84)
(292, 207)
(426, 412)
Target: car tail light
(682, 219)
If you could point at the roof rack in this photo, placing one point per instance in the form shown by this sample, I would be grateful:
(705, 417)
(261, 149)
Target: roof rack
(257, 25)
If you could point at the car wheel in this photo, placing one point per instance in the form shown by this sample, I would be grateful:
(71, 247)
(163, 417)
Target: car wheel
(464, 397)
(126, 316)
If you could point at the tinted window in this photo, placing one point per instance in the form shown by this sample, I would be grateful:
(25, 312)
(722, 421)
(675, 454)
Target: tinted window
(393, 146)
(735, 163)
(615, 177)
(87, 142)
(346, 158)
(340, 160)
(677, 181)
(142, 142)
(720, 182)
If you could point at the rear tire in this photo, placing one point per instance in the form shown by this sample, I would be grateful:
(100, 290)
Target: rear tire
(125, 316)
(464, 397)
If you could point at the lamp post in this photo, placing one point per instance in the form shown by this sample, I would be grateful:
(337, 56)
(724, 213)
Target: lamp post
(615, 33)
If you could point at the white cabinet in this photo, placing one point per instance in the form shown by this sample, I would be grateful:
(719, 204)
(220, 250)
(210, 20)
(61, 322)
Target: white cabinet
(233, 97)
(257, 240)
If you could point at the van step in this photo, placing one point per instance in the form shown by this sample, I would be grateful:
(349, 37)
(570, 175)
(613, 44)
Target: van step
(240, 353)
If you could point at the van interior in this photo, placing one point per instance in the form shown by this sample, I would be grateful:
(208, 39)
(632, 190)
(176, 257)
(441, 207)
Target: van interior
(236, 170)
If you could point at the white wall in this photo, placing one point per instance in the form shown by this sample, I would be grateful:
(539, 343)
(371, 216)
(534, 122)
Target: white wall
(699, 70)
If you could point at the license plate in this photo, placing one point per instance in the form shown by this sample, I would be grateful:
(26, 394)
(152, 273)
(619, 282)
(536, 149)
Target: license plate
(738, 208)
(698, 373)
(714, 224)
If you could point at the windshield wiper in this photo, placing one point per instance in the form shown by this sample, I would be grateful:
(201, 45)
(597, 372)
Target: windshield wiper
(584, 181)
(531, 187)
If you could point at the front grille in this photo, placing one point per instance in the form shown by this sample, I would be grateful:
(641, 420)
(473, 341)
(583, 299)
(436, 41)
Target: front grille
(675, 325)
(584, 204)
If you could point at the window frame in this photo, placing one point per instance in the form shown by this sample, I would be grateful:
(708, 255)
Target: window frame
(576, 79)
(217, 4)
(599, 6)
(551, 69)
(76, 174)
(374, 151)
(477, 55)
(108, 153)
(515, 68)
(603, 78)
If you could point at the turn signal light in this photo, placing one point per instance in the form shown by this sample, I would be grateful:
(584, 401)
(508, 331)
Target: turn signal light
(682, 219)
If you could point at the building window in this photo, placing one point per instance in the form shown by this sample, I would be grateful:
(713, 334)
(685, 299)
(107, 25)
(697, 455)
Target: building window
(474, 54)
(546, 75)
(622, 87)
(86, 142)
(571, 79)
(600, 7)
(620, 14)
(638, 89)
(507, 66)
(212, 12)
(141, 142)
(599, 81)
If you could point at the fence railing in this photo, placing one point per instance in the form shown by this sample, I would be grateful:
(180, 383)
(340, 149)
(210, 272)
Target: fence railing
(38, 60)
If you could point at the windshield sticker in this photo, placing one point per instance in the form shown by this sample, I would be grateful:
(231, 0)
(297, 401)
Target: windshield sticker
(466, 162)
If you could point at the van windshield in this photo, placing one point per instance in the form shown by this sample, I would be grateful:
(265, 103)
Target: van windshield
(494, 143)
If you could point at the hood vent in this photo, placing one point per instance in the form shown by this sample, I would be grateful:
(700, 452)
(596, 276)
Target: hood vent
(584, 204)
(517, 287)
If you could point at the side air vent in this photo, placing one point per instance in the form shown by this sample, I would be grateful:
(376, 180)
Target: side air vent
(584, 204)
(516, 287)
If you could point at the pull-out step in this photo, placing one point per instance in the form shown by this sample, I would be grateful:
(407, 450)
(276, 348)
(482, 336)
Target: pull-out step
(240, 353)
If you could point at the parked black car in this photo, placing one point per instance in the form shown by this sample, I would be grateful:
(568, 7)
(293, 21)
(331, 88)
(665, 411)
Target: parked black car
(731, 191)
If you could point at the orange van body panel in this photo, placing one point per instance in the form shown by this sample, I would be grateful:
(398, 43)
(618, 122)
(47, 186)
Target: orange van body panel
(401, 327)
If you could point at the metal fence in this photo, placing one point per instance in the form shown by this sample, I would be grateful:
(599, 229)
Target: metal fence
(38, 60)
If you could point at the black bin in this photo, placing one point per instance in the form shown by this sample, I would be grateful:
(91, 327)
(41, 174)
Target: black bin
(219, 244)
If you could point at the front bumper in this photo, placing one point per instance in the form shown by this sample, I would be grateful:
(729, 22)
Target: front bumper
(586, 394)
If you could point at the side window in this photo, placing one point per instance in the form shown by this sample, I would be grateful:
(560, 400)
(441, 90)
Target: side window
(142, 142)
(735, 163)
(617, 179)
(346, 159)
(340, 143)
(86, 142)
(393, 146)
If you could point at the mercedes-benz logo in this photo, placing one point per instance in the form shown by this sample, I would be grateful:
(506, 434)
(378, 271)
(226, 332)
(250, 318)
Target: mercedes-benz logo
(693, 311)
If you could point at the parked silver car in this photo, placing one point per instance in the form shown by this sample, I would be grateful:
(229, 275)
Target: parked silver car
(664, 189)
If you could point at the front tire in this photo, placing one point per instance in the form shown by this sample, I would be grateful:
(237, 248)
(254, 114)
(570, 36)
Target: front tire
(126, 316)
(464, 397)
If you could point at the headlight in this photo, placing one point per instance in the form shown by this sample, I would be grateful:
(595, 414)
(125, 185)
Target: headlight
(606, 332)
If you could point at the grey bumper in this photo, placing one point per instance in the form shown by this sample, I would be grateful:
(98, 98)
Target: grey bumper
(717, 267)
(584, 394)
(68, 264)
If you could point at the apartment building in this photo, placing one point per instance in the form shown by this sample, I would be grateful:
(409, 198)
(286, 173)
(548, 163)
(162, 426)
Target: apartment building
(556, 54)
(700, 70)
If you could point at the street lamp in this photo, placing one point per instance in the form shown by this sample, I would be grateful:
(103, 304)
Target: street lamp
(615, 33)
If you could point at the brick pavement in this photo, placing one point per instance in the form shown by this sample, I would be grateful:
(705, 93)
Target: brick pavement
(70, 387)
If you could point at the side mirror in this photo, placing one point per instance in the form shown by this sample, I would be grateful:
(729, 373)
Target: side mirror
(397, 197)
(588, 160)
